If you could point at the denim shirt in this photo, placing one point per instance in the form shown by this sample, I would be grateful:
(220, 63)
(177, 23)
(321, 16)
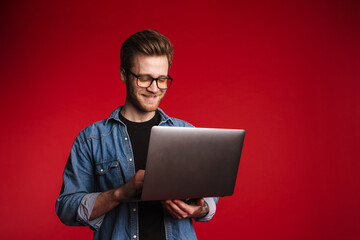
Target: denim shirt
(101, 158)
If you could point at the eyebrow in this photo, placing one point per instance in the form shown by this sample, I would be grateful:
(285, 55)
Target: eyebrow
(160, 76)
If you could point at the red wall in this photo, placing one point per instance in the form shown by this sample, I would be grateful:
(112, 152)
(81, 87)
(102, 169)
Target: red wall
(286, 72)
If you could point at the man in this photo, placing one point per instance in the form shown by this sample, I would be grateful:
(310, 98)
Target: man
(105, 169)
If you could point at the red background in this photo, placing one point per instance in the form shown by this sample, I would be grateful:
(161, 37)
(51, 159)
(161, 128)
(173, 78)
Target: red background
(286, 71)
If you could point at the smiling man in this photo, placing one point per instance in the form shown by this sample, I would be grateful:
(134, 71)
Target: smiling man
(105, 169)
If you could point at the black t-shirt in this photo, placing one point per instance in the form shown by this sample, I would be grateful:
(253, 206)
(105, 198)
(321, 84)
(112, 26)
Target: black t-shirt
(151, 213)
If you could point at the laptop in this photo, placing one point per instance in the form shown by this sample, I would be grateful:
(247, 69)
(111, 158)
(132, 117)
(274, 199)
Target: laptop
(185, 163)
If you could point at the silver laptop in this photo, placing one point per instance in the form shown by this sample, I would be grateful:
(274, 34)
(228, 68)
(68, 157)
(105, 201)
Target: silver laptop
(185, 163)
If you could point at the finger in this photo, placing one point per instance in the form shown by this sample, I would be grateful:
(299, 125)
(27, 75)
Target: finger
(194, 205)
(193, 208)
(139, 176)
(199, 202)
(176, 209)
(169, 209)
(182, 206)
(172, 213)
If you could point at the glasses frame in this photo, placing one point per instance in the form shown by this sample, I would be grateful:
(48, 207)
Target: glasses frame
(153, 79)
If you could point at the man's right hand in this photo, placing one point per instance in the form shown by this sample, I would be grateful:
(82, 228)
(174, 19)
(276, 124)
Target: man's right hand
(109, 199)
(132, 188)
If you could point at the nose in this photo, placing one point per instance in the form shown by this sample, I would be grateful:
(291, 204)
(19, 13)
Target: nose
(153, 87)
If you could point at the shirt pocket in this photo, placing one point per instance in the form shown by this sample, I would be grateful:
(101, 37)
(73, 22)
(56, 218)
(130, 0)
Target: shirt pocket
(109, 174)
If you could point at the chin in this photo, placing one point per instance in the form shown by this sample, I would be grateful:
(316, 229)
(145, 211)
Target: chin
(143, 105)
(147, 108)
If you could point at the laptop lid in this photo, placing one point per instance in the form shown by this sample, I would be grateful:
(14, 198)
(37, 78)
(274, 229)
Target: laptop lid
(187, 162)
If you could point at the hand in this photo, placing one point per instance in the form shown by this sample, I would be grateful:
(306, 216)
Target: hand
(195, 208)
(134, 186)
(111, 198)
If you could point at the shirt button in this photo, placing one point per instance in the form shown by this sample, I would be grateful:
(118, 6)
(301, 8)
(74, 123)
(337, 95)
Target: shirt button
(126, 139)
(130, 159)
(101, 170)
(134, 209)
(134, 236)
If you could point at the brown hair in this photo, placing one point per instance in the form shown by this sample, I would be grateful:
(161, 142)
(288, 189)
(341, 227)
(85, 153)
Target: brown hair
(148, 42)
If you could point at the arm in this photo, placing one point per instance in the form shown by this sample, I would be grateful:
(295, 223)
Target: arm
(78, 181)
(94, 205)
(74, 206)
(109, 199)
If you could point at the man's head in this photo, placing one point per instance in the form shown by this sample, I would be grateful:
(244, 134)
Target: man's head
(145, 55)
(147, 42)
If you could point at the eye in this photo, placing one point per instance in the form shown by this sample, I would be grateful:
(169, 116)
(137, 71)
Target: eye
(162, 80)
(145, 79)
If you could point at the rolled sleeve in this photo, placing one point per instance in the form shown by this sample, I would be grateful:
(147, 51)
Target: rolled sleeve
(211, 202)
(85, 209)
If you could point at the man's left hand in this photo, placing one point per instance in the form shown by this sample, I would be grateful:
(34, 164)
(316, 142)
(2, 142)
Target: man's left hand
(195, 208)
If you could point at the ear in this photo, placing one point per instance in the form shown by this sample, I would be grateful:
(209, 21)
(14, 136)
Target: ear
(122, 75)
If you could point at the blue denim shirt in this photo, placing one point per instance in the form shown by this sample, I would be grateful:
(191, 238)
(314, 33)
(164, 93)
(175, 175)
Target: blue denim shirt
(101, 158)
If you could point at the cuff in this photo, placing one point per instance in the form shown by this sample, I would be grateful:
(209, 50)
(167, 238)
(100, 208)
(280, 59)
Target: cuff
(84, 211)
(211, 202)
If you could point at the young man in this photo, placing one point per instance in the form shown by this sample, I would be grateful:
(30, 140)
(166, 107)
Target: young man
(105, 169)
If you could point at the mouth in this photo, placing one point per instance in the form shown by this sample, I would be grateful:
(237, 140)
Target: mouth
(150, 97)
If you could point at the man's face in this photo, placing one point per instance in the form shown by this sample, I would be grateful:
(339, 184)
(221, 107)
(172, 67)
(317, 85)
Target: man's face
(147, 99)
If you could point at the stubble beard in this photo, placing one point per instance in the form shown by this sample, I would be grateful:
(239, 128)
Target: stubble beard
(138, 102)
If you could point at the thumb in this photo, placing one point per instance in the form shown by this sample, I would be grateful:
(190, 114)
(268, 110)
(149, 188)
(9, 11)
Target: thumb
(200, 201)
(139, 175)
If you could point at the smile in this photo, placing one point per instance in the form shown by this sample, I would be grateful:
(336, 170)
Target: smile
(150, 96)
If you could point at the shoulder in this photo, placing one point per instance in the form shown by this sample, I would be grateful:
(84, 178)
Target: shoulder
(180, 123)
(101, 128)
(97, 130)
(171, 121)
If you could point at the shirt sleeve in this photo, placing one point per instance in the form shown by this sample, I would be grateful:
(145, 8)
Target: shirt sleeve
(78, 181)
(85, 208)
(211, 202)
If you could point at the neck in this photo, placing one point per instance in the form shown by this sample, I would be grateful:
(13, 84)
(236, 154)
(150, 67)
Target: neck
(133, 114)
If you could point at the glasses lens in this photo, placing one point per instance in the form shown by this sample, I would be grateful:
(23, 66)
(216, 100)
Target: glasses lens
(163, 83)
(144, 81)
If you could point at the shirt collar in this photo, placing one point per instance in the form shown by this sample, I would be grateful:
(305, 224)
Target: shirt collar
(115, 115)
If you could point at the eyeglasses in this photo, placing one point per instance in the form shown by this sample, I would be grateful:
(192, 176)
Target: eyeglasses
(145, 81)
